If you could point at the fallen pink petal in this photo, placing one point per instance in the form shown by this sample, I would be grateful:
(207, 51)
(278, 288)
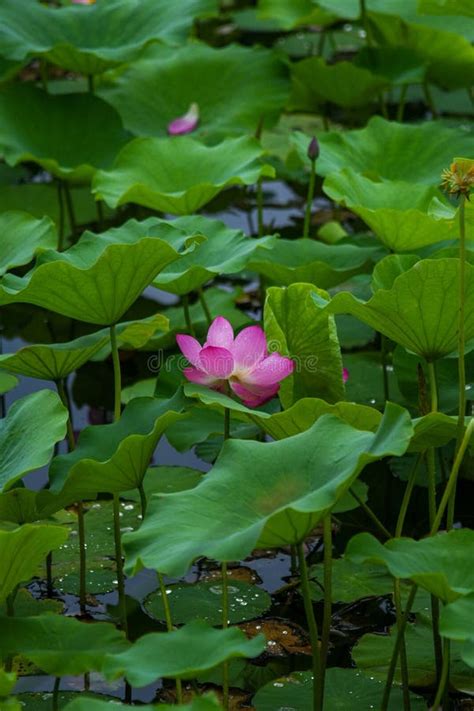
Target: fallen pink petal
(241, 363)
(185, 124)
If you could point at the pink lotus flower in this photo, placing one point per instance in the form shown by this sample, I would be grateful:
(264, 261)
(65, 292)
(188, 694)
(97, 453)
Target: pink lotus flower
(242, 362)
(345, 375)
(186, 123)
(83, 2)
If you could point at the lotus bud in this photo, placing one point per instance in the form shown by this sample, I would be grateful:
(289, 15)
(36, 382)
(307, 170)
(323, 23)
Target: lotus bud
(313, 149)
(186, 123)
(345, 375)
(458, 179)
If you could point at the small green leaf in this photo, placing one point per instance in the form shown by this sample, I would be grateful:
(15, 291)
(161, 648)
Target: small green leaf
(184, 653)
(22, 236)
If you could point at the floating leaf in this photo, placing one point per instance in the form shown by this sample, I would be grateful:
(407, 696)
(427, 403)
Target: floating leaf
(203, 703)
(373, 652)
(386, 150)
(114, 458)
(281, 497)
(288, 14)
(305, 260)
(183, 653)
(26, 605)
(101, 276)
(439, 564)
(225, 251)
(162, 84)
(22, 550)
(28, 434)
(344, 688)
(179, 174)
(69, 135)
(22, 236)
(60, 645)
(343, 84)
(456, 623)
(419, 311)
(89, 40)
(296, 327)
(42, 701)
(203, 601)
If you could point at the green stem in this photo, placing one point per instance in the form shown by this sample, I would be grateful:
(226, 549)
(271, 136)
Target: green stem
(461, 344)
(57, 683)
(205, 306)
(403, 650)
(407, 496)
(70, 208)
(429, 98)
(312, 627)
(371, 514)
(430, 454)
(365, 23)
(294, 560)
(383, 353)
(100, 214)
(61, 217)
(117, 373)
(437, 646)
(327, 614)
(451, 485)
(187, 315)
(49, 574)
(260, 207)
(444, 675)
(433, 387)
(90, 83)
(396, 649)
(401, 103)
(309, 199)
(169, 627)
(79, 504)
(143, 502)
(43, 68)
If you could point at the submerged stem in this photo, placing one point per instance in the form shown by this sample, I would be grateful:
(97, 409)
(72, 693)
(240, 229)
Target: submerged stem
(312, 627)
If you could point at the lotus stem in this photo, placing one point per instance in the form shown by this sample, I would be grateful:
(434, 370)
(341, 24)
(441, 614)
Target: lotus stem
(401, 103)
(260, 207)
(116, 499)
(100, 214)
(91, 84)
(403, 650)
(61, 217)
(430, 454)
(461, 344)
(225, 591)
(429, 98)
(313, 629)
(169, 627)
(443, 677)
(371, 514)
(309, 199)
(327, 614)
(407, 496)
(57, 683)
(79, 505)
(383, 353)
(205, 306)
(143, 501)
(70, 208)
(187, 315)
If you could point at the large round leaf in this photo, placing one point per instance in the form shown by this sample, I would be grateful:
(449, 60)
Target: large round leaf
(440, 563)
(100, 277)
(114, 458)
(297, 327)
(22, 551)
(53, 361)
(89, 40)
(22, 236)
(344, 689)
(28, 434)
(60, 645)
(225, 251)
(305, 260)
(164, 82)
(386, 150)
(184, 653)
(282, 488)
(456, 623)
(420, 311)
(178, 175)
(68, 135)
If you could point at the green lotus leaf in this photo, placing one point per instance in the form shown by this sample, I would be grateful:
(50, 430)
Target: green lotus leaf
(53, 361)
(7, 382)
(167, 480)
(344, 689)
(7, 682)
(446, 7)
(114, 458)
(281, 494)
(433, 430)
(419, 311)
(343, 84)
(304, 260)
(202, 423)
(225, 251)
(373, 652)
(89, 40)
(68, 135)
(365, 384)
(22, 550)
(60, 645)
(102, 275)
(399, 65)
(179, 174)
(386, 150)
(296, 419)
(202, 601)
(18, 505)
(456, 623)
(203, 703)
(165, 81)
(439, 564)
(184, 653)
(22, 236)
(42, 701)
(397, 212)
(297, 327)
(289, 14)
(28, 434)
(28, 606)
